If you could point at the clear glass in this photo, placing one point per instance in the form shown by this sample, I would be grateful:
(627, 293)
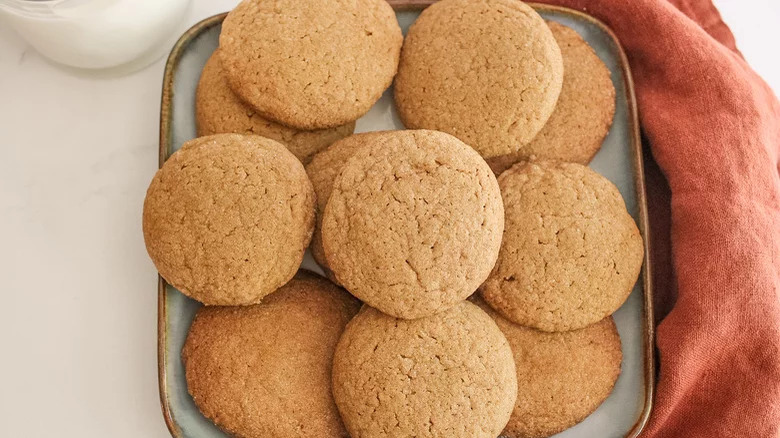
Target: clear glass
(97, 34)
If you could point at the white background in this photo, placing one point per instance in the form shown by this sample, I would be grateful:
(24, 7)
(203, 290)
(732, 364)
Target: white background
(77, 291)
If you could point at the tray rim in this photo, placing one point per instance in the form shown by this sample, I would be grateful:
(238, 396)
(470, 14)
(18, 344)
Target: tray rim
(648, 326)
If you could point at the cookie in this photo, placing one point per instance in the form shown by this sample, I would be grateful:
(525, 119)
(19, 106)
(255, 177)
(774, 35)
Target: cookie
(228, 217)
(313, 64)
(218, 110)
(488, 72)
(571, 253)
(446, 375)
(322, 171)
(413, 224)
(265, 370)
(582, 117)
(561, 377)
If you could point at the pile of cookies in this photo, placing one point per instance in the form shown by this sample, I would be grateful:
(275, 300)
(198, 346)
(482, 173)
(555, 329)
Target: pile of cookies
(410, 223)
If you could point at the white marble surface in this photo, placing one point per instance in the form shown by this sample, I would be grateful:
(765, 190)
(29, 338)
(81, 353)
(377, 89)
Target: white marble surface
(78, 312)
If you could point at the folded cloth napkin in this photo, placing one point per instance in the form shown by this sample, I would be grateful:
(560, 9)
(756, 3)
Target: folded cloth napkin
(713, 127)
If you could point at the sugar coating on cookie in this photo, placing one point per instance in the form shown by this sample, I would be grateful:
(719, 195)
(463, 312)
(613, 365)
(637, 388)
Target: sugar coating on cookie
(265, 370)
(584, 112)
(312, 64)
(488, 72)
(446, 375)
(413, 224)
(219, 110)
(561, 377)
(228, 217)
(571, 253)
(322, 171)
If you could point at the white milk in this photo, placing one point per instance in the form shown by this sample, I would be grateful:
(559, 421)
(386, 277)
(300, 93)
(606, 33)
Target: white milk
(95, 34)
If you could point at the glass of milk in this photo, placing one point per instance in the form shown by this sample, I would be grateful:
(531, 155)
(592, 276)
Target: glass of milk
(97, 34)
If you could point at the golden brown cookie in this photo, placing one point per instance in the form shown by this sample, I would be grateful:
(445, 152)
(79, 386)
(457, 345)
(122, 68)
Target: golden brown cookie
(265, 370)
(322, 171)
(561, 377)
(413, 224)
(228, 217)
(488, 72)
(446, 375)
(312, 64)
(218, 110)
(571, 253)
(582, 117)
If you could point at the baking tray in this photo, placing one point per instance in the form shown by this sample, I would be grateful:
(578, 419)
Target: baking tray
(627, 409)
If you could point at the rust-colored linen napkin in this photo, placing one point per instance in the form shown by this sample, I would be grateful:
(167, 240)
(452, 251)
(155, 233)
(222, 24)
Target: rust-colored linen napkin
(713, 127)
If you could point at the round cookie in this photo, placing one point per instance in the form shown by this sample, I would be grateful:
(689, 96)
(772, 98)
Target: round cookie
(561, 377)
(571, 253)
(265, 370)
(413, 224)
(582, 117)
(488, 72)
(313, 64)
(228, 217)
(322, 171)
(218, 110)
(446, 375)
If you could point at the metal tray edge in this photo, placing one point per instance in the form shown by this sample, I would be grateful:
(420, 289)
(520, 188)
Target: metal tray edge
(164, 151)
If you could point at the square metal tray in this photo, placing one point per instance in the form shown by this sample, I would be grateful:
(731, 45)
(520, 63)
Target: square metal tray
(627, 409)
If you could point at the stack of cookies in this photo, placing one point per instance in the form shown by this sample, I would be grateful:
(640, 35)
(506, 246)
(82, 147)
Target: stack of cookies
(410, 223)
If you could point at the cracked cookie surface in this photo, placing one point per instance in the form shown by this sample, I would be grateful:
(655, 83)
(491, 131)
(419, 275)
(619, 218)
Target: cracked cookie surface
(322, 171)
(265, 370)
(228, 217)
(561, 377)
(488, 72)
(312, 64)
(446, 375)
(582, 117)
(571, 253)
(219, 110)
(413, 224)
